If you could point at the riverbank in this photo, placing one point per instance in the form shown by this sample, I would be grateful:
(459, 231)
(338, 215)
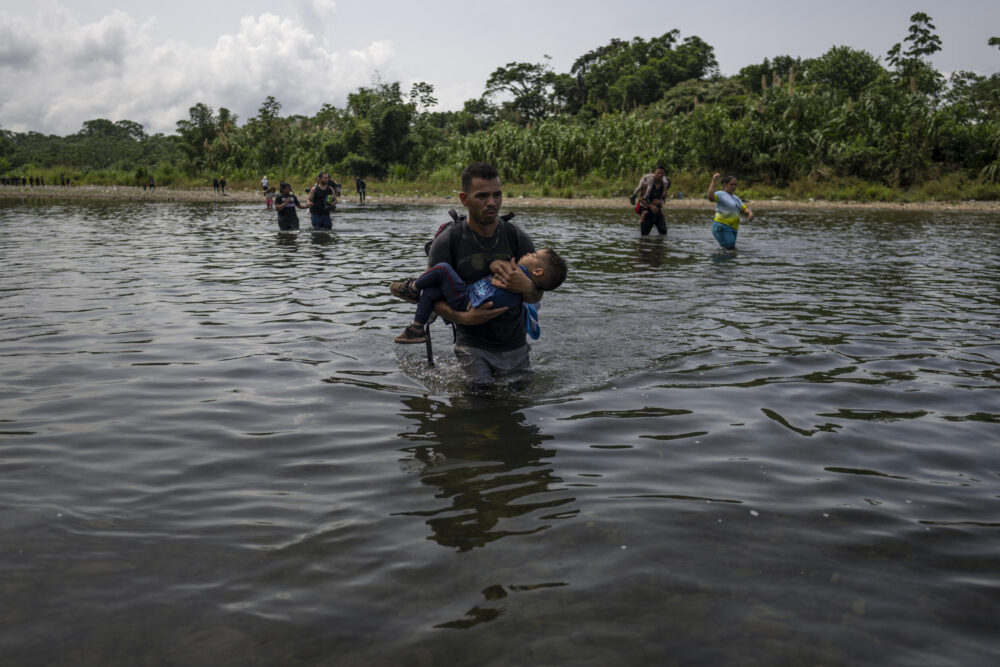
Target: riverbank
(137, 194)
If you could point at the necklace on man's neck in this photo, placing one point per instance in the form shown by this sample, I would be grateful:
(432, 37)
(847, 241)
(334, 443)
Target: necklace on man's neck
(495, 237)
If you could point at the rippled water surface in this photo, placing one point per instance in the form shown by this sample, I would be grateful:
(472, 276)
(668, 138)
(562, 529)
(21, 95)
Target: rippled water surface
(212, 452)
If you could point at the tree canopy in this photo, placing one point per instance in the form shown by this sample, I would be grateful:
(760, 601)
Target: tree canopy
(622, 106)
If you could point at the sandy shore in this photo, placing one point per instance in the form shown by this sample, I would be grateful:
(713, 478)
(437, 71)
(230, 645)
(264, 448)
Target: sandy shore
(125, 193)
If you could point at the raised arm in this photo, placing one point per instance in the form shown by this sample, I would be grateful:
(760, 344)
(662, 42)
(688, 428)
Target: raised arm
(711, 186)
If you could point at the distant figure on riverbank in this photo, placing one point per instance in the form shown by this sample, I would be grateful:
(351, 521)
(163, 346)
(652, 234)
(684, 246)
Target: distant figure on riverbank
(728, 208)
(152, 184)
(215, 184)
(361, 187)
(648, 198)
(263, 185)
(222, 185)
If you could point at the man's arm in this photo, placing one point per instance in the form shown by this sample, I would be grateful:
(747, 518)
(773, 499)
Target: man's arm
(641, 187)
(440, 252)
(469, 318)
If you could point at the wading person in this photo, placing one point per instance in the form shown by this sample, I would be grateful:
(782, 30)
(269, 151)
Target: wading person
(322, 199)
(361, 186)
(728, 208)
(491, 341)
(648, 197)
(286, 203)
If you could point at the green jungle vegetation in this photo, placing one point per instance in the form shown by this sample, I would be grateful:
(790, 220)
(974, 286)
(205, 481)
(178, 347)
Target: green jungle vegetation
(844, 126)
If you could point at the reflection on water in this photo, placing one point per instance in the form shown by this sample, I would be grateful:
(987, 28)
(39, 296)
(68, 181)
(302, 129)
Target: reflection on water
(211, 451)
(487, 467)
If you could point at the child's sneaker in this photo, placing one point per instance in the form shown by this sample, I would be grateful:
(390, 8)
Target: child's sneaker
(412, 334)
(405, 290)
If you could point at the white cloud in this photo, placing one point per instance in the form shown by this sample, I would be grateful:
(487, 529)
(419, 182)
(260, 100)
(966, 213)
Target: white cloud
(114, 68)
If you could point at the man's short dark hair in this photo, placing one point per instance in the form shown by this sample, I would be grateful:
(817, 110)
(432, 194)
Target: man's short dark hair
(482, 170)
(660, 166)
(555, 273)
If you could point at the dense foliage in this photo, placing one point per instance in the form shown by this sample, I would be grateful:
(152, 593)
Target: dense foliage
(622, 108)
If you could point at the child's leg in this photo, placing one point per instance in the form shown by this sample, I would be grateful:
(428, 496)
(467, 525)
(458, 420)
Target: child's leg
(425, 306)
(451, 287)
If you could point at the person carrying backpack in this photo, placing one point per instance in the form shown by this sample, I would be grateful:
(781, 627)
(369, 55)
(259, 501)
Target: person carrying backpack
(491, 342)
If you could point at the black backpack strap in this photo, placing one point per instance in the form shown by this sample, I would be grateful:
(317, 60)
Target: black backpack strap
(511, 235)
(455, 219)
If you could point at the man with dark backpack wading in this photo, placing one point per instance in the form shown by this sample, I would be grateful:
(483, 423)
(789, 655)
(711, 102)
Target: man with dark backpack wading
(491, 341)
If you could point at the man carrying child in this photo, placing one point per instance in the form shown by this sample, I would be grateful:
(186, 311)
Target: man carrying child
(491, 341)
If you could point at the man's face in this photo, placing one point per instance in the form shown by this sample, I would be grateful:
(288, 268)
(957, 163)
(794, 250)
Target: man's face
(660, 174)
(324, 179)
(483, 200)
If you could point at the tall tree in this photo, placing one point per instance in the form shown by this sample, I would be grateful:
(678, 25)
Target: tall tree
(846, 70)
(422, 95)
(528, 85)
(622, 75)
(196, 134)
(911, 64)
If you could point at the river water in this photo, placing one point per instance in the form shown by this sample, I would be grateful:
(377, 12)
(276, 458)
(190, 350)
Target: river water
(212, 452)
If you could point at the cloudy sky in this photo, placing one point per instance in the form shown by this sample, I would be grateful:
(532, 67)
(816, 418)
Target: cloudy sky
(66, 61)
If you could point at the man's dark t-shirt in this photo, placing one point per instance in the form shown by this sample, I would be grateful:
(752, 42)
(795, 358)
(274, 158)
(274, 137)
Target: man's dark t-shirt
(288, 218)
(319, 197)
(472, 262)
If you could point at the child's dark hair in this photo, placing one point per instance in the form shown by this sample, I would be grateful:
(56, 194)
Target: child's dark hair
(555, 271)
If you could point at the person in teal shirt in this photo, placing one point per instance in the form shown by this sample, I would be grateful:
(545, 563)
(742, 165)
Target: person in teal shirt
(728, 208)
